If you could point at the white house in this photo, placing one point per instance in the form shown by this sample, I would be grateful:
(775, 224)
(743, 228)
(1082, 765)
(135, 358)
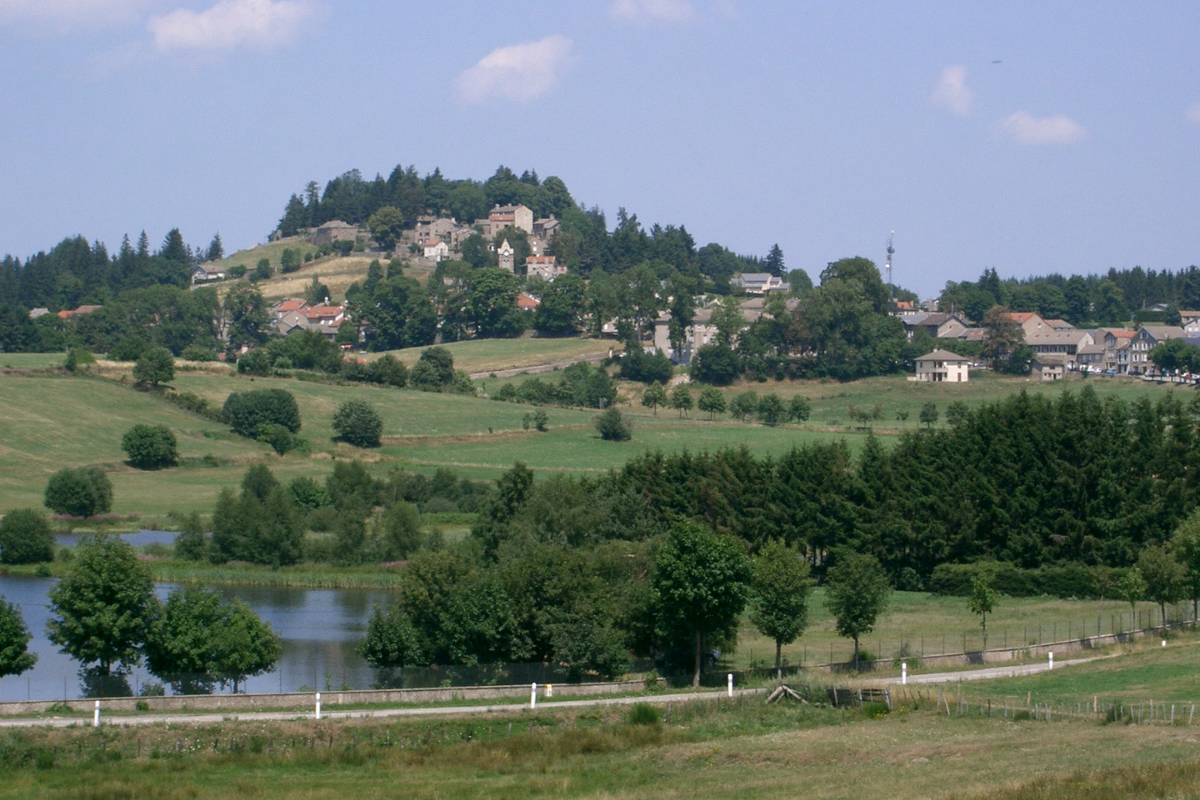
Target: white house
(758, 282)
(436, 249)
(942, 366)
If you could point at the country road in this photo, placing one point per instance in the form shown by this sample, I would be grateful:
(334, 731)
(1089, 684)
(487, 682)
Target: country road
(994, 672)
(267, 716)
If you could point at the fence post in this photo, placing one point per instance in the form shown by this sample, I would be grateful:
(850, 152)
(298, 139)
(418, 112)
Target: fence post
(533, 695)
(904, 673)
(1052, 659)
(318, 705)
(730, 691)
(96, 716)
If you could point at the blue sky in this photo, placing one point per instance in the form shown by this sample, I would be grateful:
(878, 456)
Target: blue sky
(820, 126)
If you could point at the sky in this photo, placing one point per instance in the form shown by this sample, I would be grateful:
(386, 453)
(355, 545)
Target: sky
(1028, 137)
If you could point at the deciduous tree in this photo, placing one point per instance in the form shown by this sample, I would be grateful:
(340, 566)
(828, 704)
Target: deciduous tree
(779, 596)
(15, 657)
(25, 538)
(103, 608)
(856, 592)
(700, 585)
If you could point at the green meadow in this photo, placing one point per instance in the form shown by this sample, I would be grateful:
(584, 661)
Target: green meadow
(49, 419)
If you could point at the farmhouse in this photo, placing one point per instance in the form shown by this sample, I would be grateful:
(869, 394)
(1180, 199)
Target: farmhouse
(942, 366)
(1144, 341)
(545, 267)
(758, 282)
(435, 249)
(334, 231)
(1049, 366)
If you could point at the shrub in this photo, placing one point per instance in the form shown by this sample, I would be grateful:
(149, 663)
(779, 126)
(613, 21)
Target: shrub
(643, 714)
(282, 440)
(716, 364)
(156, 365)
(613, 427)
(638, 365)
(357, 422)
(254, 362)
(433, 370)
(245, 411)
(289, 261)
(389, 371)
(194, 352)
(309, 494)
(130, 348)
(150, 446)
(237, 270)
(25, 538)
(536, 420)
(81, 492)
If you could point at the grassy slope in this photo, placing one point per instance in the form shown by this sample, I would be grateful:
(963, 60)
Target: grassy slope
(53, 421)
(48, 423)
(494, 355)
(756, 751)
(1148, 672)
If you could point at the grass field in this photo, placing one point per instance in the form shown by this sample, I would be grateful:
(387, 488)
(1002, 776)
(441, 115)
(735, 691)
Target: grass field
(31, 360)
(54, 420)
(1145, 672)
(931, 624)
(739, 750)
(494, 355)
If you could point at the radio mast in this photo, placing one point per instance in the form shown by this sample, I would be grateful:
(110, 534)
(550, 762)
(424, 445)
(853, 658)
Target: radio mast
(890, 251)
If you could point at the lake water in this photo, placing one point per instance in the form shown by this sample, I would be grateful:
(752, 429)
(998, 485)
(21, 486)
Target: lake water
(319, 628)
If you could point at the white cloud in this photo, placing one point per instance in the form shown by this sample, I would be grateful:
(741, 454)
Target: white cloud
(71, 12)
(1193, 113)
(951, 92)
(522, 72)
(1024, 128)
(232, 23)
(642, 11)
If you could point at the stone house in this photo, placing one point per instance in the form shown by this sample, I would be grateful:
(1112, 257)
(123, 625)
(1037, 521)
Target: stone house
(202, 275)
(545, 267)
(335, 231)
(1049, 367)
(1066, 342)
(1143, 342)
(501, 217)
(942, 366)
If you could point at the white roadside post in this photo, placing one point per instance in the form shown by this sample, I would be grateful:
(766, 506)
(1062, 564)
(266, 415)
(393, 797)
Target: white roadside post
(904, 673)
(533, 695)
(1051, 659)
(549, 690)
(318, 705)
(96, 716)
(1164, 641)
(730, 689)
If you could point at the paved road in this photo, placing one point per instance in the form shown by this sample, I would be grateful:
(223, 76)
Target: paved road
(994, 672)
(327, 713)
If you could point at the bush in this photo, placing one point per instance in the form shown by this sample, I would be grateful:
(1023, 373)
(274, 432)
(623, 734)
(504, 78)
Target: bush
(194, 352)
(282, 440)
(357, 422)
(289, 261)
(433, 371)
(245, 411)
(25, 538)
(237, 270)
(643, 714)
(638, 365)
(130, 348)
(309, 494)
(150, 446)
(156, 365)
(254, 362)
(82, 492)
(613, 427)
(716, 364)
(536, 420)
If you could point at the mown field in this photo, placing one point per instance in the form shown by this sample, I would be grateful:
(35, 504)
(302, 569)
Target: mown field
(484, 356)
(715, 750)
(49, 420)
(930, 624)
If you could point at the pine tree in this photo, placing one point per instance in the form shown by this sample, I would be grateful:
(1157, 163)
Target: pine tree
(774, 262)
(216, 250)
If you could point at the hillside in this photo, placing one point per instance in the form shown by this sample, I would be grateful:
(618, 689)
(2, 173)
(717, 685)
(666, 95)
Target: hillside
(48, 421)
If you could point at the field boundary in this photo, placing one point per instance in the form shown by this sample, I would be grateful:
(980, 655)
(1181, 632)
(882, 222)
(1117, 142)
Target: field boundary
(329, 699)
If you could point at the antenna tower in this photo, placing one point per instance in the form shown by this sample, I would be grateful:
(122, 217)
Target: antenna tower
(890, 251)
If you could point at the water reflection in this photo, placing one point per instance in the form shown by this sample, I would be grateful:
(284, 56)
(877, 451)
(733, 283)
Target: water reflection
(320, 629)
(138, 539)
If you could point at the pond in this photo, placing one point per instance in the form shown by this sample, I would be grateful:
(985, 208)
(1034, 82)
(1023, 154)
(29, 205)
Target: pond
(320, 629)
